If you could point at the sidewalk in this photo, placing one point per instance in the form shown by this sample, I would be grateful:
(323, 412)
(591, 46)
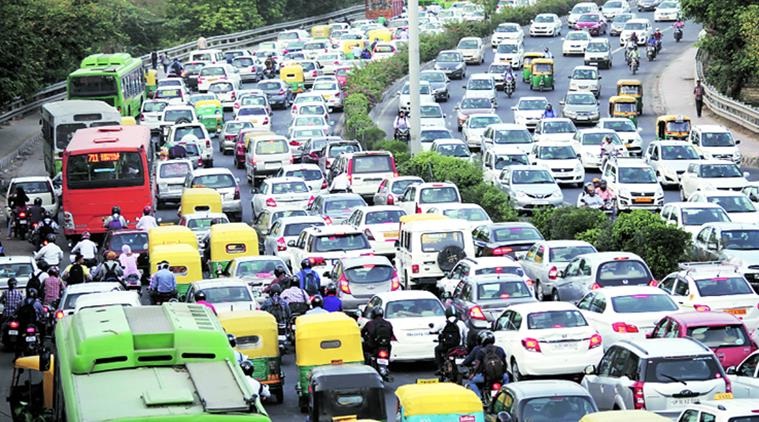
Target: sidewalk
(675, 89)
(15, 133)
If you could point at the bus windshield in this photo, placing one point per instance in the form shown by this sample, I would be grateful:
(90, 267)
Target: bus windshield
(105, 170)
(93, 86)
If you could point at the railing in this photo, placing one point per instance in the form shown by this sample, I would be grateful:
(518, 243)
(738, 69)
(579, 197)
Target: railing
(57, 91)
(726, 107)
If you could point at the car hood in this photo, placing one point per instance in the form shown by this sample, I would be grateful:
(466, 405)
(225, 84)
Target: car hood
(559, 164)
(561, 137)
(724, 182)
(528, 113)
(677, 165)
(536, 189)
(468, 111)
(581, 107)
(235, 306)
(468, 50)
(720, 150)
(641, 187)
(448, 65)
(750, 257)
(437, 85)
(542, 24)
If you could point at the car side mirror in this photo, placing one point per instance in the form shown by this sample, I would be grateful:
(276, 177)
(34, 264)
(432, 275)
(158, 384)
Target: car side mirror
(463, 87)
(590, 370)
(291, 243)
(731, 370)
(746, 174)
(561, 102)
(569, 77)
(514, 108)
(398, 94)
(753, 197)
(639, 130)
(397, 244)
(446, 296)
(579, 155)
(504, 416)
(711, 246)
(326, 274)
(254, 190)
(737, 142)
(600, 77)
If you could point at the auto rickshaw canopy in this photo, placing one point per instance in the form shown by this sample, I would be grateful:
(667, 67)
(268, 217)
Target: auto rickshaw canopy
(437, 399)
(327, 338)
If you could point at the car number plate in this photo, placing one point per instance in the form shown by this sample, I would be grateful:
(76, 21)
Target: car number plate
(643, 200)
(736, 311)
(272, 165)
(281, 338)
(566, 346)
(681, 402)
(23, 222)
(31, 339)
(383, 362)
(12, 332)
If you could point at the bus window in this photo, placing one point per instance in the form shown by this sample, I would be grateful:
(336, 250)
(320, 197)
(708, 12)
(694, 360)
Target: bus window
(105, 169)
(64, 133)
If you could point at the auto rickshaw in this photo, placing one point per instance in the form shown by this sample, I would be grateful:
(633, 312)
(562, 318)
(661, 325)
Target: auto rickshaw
(624, 106)
(632, 88)
(210, 114)
(31, 398)
(675, 127)
(151, 82)
(128, 121)
(171, 235)
(320, 31)
(256, 333)
(227, 242)
(380, 35)
(527, 64)
(347, 46)
(322, 340)
(184, 262)
(432, 401)
(330, 385)
(291, 73)
(199, 200)
(624, 416)
(541, 74)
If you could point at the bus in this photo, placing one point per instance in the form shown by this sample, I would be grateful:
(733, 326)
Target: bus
(118, 79)
(62, 118)
(170, 362)
(104, 167)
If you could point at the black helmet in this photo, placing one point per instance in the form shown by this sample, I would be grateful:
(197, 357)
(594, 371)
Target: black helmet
(549, 106)
(247, 368)
(31, 293)
(200, 295)
(12, 283)
(332, 289)
(377, 312)
(115, 210)
(42, 265)
(317, 302)
(306, 263)
(279, 271)
(603, 184)
(232, 340)
(51, 238)
(275, 289)
(486, 337)
(38, 201)
(294, 281)
(450, 311)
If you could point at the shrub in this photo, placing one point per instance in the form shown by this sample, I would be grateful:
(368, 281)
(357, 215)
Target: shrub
(434, 167)
(492, 200)
(569, 222)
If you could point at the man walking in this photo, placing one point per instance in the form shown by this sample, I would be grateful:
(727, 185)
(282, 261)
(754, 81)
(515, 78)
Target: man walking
(698, 93)
(154, 60)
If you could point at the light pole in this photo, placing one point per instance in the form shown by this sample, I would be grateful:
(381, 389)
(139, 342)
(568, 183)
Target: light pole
(415, 144)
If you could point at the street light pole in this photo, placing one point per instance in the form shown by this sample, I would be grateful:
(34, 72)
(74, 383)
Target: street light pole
(415, 144)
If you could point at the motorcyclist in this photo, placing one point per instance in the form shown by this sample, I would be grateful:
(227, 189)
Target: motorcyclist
(11, 299)
(317, 306)
(332, 303)
(604, 192)
(596, 182)
(44, 230)
(634, 37)
(589, 198)
(163, 283)
(280, 277)
(115, 221)
(88, 249)
(295, 295)
(17, 201)
(309, 279)
(608, 149)
(260, 390)
(53, 287)
(376, 333)
(51, 253)
(401, 121)
(366, 54)
(200, 299)
(36, 211)
(30, 312)
(634, 54)
(548, 113)
(547, 53)
(484, 368)
(77, 272)
(508, 73)
(658, 37)
(147, 221)
(277, 306)
(176, 67)
(178, 151)
(109, 270)
(128, 262)
(452, 335)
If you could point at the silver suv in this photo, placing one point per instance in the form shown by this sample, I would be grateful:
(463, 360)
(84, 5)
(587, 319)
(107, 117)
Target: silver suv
(660, 375)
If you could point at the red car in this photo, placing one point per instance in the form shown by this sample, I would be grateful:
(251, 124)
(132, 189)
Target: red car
(341, 73)
(592, 22)
(725, 334)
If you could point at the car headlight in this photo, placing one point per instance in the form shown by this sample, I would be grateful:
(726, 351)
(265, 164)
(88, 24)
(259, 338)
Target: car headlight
(570, 113)
(624, 192)
(521, 195)
(578, 167)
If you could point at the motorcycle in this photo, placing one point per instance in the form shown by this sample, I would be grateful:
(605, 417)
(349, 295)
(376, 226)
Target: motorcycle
(381, 363)
(132, 281)
(489, 391)
(658, 46)
(159, 298)
(402, 134)
(634, 65)
(21, 223)
(678, 34)
(509, 86)
(651, 53)
(10, 334)
(31, 344)
(452, 370)
(270, 73)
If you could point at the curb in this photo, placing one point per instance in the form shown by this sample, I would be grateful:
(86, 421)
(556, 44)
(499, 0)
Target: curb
(8, 159)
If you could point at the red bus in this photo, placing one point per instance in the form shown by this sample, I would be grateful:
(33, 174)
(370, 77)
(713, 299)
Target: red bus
(103, 167)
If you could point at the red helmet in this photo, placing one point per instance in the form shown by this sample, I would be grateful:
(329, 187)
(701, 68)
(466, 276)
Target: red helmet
(147, 210)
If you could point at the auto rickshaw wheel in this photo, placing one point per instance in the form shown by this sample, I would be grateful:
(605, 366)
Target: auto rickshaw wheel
(279, 395)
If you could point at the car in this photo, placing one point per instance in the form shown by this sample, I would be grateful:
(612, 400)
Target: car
(510, 239)
(597, 54)
(725, 334)
(419, 198)
(452, 63)
(169, 180)
(504, 138)
(332, 151)
(667, 11)
(334, 208)
(628, 134)
(252, 97)
(546, 259)
(359, 279)
(290, 35)
(222, 180)
(35, 187)
(546, 24)
(472, 105)
(587, 142)
(634, 183)
(529, 110)
(530, 187)
(647, 5)
(275, 191)
(120, 298)
(306, 98)
(176, 114)
(429, 134)
(475, 126)
(151, 112)
(580, 107)
(649, 374)
(478, 266)
(191, 73)
(559, 399)
(313, 48)
(225, 294)
(225, 91)
(305, 121)
(364, 170)
(404, 95)
(324, 245)
(481, 85)
(256, 115)
(210, 56)
(561, 159)
(690, 216)
(328, 62)
(414, 315)
(497, 71)
(614, 8)
(200, 223)
(452, 147)
(711, 175)
(189, 132)
(641, 28)
(174, 95)
(218, 72)
(249, 70)
(745, 378)
(472, 49)
(586, 78)
(473, 213)
(284, 230)
(546, 339)
(737, 205)
(20, 267)
(380, 224)
(493, 161)
(431, 115)
(720, 410)
(606, 269)
(509, 51)
(310, 173)
(735, 243)
(438, 82)
(594, 23)
(330, 91)
(266, 155)
(580, 9)
(256, 271)
(391, 188)
(709, 286)
(310, 151)
(617, 24)
(278, 93)
(67, 304)
(715, 142)
(554, 129)
(507, 31)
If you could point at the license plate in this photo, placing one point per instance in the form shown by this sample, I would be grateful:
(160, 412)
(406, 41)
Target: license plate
(281, 338)
(271, 165)
(383, 362)
(31, 339)
(390, 235)
(417, 333)
(736, 311)
(24, 222)
(566, 346)
(723, 396)
(12, 332)
(643, 200)
(681, 402)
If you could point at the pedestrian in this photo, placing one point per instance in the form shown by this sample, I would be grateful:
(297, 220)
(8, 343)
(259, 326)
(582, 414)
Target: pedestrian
(154, 60)
(165, 62)
(698, 94)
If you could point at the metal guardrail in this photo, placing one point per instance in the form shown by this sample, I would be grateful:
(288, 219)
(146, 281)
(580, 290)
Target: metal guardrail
(726, 107)
(57, 91)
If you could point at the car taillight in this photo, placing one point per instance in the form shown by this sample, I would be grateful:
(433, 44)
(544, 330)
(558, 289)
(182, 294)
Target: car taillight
(595, 286)
(501, 251)
(531, 344)
(14, 324)
(200, 162)
(237, 193)
(236, 105)
(395, 282)
(142, 117)
(595, 341)
(369, 234)
(271, 202)
(229, 137)
(59, 315)
(294, 143)
(294, 109)
(281, 245)
(623, 327)
(475, 312)
(327, 220)
(324, 184)
(390, 199)
(553, 273)
(418, 209)
(314, 73)
(382, 354)
(702, 308)
(200, 79)
(208, 143)
(653, 283)
(415, 268)
(337, 94)
(311, 200)
(252, 68)
(728, 385)
(344, 285)
(639, 398)
(316, 260)
(266, 120)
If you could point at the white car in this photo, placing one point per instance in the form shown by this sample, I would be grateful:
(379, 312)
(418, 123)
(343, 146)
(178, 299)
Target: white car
(432, 115)
(745, 379)
(172, 94)
(481, 85)
(277, 191)
(193, 132)
(586, 78)
(715, 142)
(690, 216)
(380, 225)
(392, 188)
(546, 339)
(123, 299)
(598, 53)
(151, 112)
(575, 43)
(283, 231)
(554, 129)
(667, 11)
(323, 245)
(670, 159)
(473, 214)
(561, 159)
(384, 50)
(73, 292)
(612, 8)
(200, 223)
(507, 31)
(546, 259)
(35, 187)
(223, 181)
(530, 187)
(546, 24)
(473, 50)
(494, 161)
(218, 72)
(310, 173)
(634, 184)
(225, 91)
(475, 127)
(311, 109)
(313, 48)
(737, 205)
(425, 95)
(257, 115)
(478, 266)
(641, 28)
(505, 137)
(580, 9)
(330, 91)
(587, 142)
(309, 122)
(625, 312)
(415, 315)
(169, 180)
(226, 294)
(529, 110)
(419, 198)
(509, 51)
(737, 409)
(710, 175)
(452, 147)
(626, 131)
(288, 36)
(306, 98)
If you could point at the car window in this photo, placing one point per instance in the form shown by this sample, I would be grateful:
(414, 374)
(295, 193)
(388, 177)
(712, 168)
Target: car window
(435, 242)
(681, 288)
(643, 303)
(619, 363)
(340, 242)
(723, 286)
(720, 336)
(680, 369)
(555, 319)
(502, 290)
(369, 273)
(562, 407)
(434, 195)
(414, 308)
(227, 294)
(598, 305)
(748, 367)
(623, 272)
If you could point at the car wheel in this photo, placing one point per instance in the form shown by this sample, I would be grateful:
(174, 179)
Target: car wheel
(515, 374)
(682, 195)
(539, 291)
(555, 296)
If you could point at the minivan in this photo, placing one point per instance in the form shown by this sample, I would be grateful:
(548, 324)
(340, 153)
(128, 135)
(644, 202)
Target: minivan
(266, 156)
(366, 170)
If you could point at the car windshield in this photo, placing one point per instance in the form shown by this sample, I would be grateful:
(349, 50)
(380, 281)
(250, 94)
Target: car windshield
(252, 111)
(432, 76)
(316, 109)
(561, 408)
(449, 57)
(33, 187)
(622, 18)
(174, 115)
(497, 69)
(370, 273)
(699, 216)
(502, 290)
(212, 71)
(507, 28)
(260, 268)
(423, 89)
(479, 84)
(516, 136)
(737, 203)
(723, 286)
(682, 369)
(636, 175)
(590, 17)
(560, 126)
(16, 270)
(384, 217)
(242, 62)
(137, 241)
(507, 48)
(288, 187)
(379, 163)
(233, 128)
(227, 294)
(643, 303)
(269, 86)
(468, 44)
(431, 111)
(272, 146)
(717, 139)
(475, 103)
(205, 223)
(305, 174)
(294, 229)
(634, 26)
(544, 18)
(581, 99)
(528, 177)
(468, 214)
(516, 234)
(336, 150)
(193, 131)
(555, 319)
(414, 308)
(568, 253)
(582, 74)
(399, 186)
(621, 125)
(214, 181)
(287, 36)
(340, 242)
(532, 105)
(342, 205)
(597, 47)
(436, 242)
(668, 5)
(325, 86)
(720, 336)
(597, 137)
(678, 152)
(103, 170)
(436, 195)
(308, 133)
(176, 169)
(578, 36)
(428, 135)
(557, 153)
(453, 150)
(503, 161)
(623, 272)
(740, 239)
(253, 100)
(479, 122)
(720, 170)
(193, 68)
(154, 106)
(309, 121)
(287, 213)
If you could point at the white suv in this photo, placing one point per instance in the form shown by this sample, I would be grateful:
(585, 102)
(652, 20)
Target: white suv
(634, 183)
(709, 175)
(419, 198)
(325, 244)
(721, 411)
(715, 142)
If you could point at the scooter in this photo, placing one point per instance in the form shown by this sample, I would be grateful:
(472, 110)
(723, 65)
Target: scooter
(381, 363)
(678, 34)
(634, 65)
(21, 223)
(509, 86)
(402, 134)
(31, 342)
(651, 53)
(452, 370)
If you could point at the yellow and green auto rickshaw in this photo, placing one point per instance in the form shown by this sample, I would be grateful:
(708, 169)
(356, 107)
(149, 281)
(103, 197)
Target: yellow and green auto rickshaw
(624, 106)
(171, 235)
(632, 88)
(324, 339)
(227, 242)
(196, 200)
(151, 82)
(210, 114)
(527, 62)
(330, 386)
(184, 262)
(379, 35)
(31, 396)
(320, 31)
(541, 74)
(675, 127)
(347, 46)
(256, 333)
(291, 73)
(438, 402)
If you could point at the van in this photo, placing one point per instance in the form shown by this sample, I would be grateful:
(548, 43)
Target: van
(169, 180)
(365, 170)
(266, 155)
(419, 198)
(429, 246)
(211, 56)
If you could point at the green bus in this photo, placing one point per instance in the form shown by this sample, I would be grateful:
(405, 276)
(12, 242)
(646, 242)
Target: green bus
(160, 363)
(118, 79)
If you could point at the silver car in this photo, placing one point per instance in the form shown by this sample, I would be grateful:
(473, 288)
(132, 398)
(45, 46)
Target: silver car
(530, 187)
(557, 400)
(223, 181)
(580, 107)
(284, 230)
(546, 259)
(359, 279)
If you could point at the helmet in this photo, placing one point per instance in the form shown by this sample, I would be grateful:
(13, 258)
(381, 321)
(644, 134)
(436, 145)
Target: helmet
(86, 235)
(51, 238)
(546, 49)
(163, 265)
(247, 368)
(589, 188)
(377, 312)
(603, 184)
(116, 210)
(275, 289)
(147, 210)
(232, 340)
(549, 107)
(200, 295)
(596, 181)
(279, 271)
(31, 293)
(38, 201)
(294, 281)
(306, 263)
(657, 30)
(450, 311)
(12, 283)
(486, 337)
(332, 288)
(317, 302)
(110, 255)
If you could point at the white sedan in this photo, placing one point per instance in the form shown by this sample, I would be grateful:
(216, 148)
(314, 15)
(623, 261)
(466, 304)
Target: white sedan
(575, 42)
(279, 191)
(667, 11)
(547, 339)
(257, 115)
(745, 378)
(380, 225)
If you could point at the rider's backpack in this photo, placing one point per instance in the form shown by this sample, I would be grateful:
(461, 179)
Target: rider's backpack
(277, 309)
(492, 364)
(110, 271)
(450, 336)
(310, 283)
(35, 282)
(115, 224)
(383, 333)
(75, 274)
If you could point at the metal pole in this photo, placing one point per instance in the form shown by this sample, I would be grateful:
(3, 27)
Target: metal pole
(415, 144)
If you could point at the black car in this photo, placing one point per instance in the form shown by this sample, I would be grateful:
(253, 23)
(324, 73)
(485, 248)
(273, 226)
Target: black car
(438, 82)
(310, 151)
(512, 239)
(452, 63)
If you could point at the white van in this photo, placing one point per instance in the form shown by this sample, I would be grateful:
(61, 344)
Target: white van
(35, 187)
(419, 198)
(365, 170)
(103, 299)
(266, 156)
(211, 56)
(429, 246)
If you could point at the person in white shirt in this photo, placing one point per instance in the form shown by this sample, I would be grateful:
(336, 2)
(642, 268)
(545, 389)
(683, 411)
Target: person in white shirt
(87, 248)
(259, 390)
(340, 183)
(147, 221)
(51, 253)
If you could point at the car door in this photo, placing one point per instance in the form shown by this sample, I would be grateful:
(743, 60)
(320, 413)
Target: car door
(452, 280)
(746, 378)
(528, 263)
(506, 331)
(689, 181)
(681, 291)
(668, 283)
(270, 242)
(699, 244)
(599, 383)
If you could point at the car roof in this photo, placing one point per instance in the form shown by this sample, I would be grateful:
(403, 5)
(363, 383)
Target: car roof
(405, 295)
(609, 256)
(283, 179)
(212, 170)
(486, 261)
(106, 298)
(595, 130)
(532, 98)
(402, 178)
(556, 119)
(563, 243)
(92, 287)
(715, 192)
(525, 167)
(616, 291)
(331, 196)
(333, 229)
(746, 407)
(546, 388)
(371, 208)
(553, 144)
(727, 225)
(683, 205)
(218, 282)
(711, 128)
(30, 179)
(630, 162)
(667, 347)
(365, 260)
(705, 318)
(507, 126)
